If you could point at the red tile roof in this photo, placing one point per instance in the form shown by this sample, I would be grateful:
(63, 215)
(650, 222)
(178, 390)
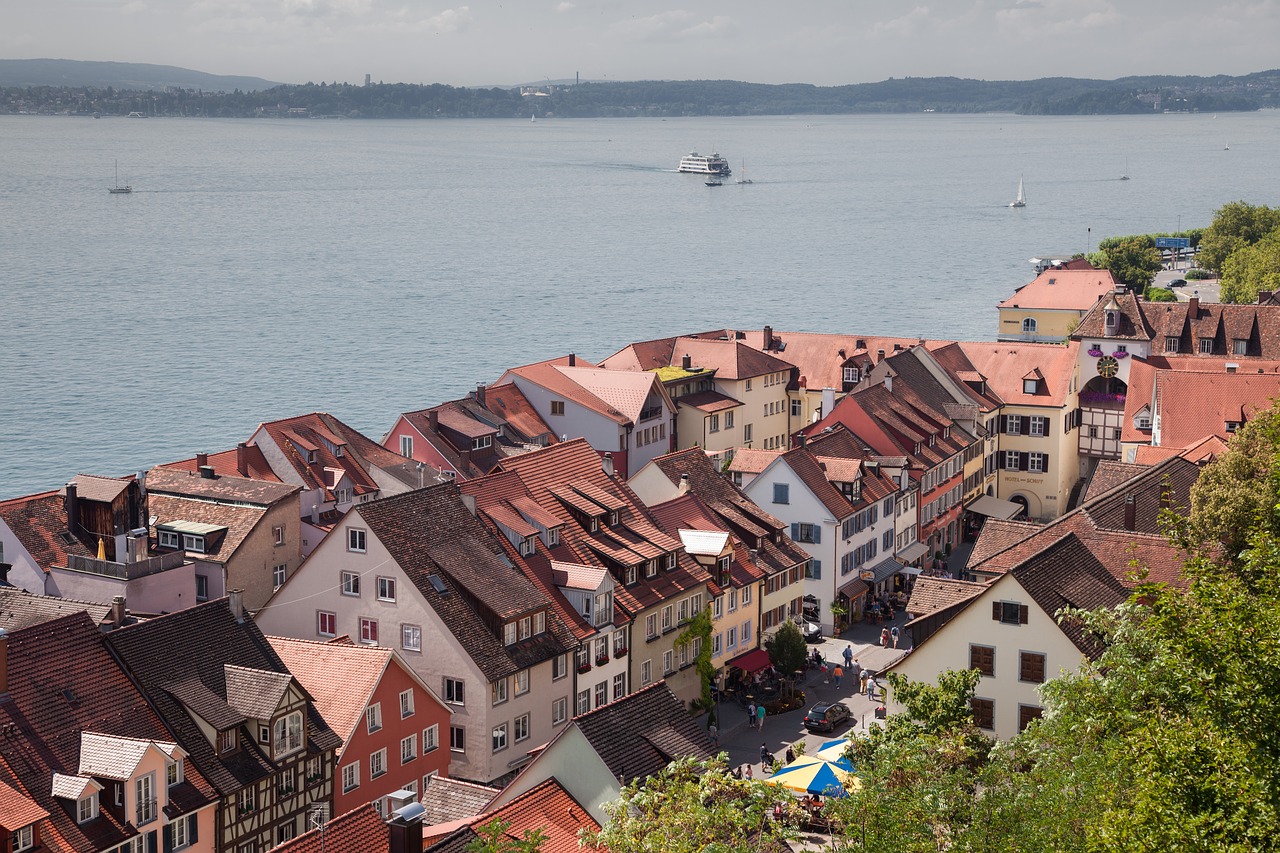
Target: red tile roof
(361, 830)
(341, 677)
(820, 358)
(229, 463)
(1059, 289)
(1195, 405)
(39, 522)
(617, 394)
(62, 682)
(325, 436)
(729, 359)
(548, 808)
(1004, 364)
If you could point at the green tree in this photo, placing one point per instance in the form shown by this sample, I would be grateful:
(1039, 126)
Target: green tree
(1236, 224)
(1133, 261)
(1252, 268)
(696, 807)
(787, 651)
(1161, 294)
(1235, 495)
(699, 628)
(494, 838)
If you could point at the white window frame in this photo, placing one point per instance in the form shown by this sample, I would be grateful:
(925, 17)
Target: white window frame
(520, 728)
(454, 691)
(431, 738)
(408, 749)
(373, 718)
(559, 711)
(86, 808)
(386, 588)
(406, 703)
(458, 739)
(377, 760)
(499, 691)
(521, 680)
(406, 446)
(350, 584)
(357, 540)
(411, 638)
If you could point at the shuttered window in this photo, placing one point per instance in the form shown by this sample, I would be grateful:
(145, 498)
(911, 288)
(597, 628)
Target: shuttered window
(984, 713)
(1031, 667)
(1009, 612)
(983, 659)
(1027, 713)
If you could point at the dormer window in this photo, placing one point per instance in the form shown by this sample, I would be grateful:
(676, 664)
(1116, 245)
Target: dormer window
(23, 839)
(86, 809)
(613, 518)
(311, 457)
(671, 561)
(651, 568)
(193, 543)
(539, 623)
(227, 741)
(169, 539)
(1111, 319)
(604, 609)
(594, 525)
(631, 575)
(526, 627)
(509, 634)
(481, 442)
(1029, 386)
(528, 545)
(287, 735)
(174, 773)
(933, 439)
(553, 536)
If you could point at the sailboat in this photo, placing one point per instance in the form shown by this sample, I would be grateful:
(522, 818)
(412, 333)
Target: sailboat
(533, 117)
(1125, 176)
(1226, 147)
(117, 189)
(1021, 200)
(744, 179)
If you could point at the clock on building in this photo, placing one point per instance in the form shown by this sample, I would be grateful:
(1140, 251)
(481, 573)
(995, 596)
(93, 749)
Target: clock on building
(1108, 367)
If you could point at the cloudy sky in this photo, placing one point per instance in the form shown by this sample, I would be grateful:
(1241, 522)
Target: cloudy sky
(479, 42)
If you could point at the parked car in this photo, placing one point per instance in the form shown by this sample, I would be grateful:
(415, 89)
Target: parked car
(1177, 282)
(812, 630)
(825, 716)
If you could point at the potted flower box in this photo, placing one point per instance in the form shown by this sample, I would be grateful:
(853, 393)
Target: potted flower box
(1095, 352)
(617, 653)
(1119, 354)
(584, 668)
(601, 661)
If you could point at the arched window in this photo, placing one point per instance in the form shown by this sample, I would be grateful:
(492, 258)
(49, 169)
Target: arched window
(1029, 326)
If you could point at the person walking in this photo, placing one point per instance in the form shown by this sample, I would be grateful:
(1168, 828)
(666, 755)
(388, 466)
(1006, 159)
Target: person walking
(748, 774)
(760, 712)
(848, 655)
(862, 681)
(893, 636)
(884, 638)
(764, 756)
(751, 715)
(871, 687)
(713, 731)
(791, 755)
(839, 672)
(855, 672)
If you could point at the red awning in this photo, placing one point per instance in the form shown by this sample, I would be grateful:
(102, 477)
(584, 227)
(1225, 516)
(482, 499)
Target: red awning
(752, 662)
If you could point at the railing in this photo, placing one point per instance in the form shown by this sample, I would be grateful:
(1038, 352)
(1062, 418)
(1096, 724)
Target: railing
(146, 812)
(126, 571)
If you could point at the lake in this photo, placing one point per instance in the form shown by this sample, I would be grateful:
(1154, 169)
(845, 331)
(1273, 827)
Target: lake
(267, 268)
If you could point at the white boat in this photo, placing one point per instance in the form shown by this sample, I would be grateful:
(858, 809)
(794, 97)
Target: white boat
(1021, 200)
(117, 189)
(704, 165)
(1125, 176)
(744, 179)
(533, 117)
(714, 182)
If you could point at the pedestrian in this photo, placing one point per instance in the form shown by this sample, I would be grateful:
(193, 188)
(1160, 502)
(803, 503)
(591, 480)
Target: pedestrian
(893, 636)
(714, 732)
(764, 756)
(884, 638)
(791, 755)
(838, 673)
(862, 680)
(748, 774)
(871, 687)
(848, 655)
(751, 715)
(855, 672)
(760, 712)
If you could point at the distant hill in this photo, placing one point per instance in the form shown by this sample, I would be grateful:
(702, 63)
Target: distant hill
(133, 76)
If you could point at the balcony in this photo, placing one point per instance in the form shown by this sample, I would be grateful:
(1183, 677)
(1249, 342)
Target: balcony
(146, 812)
(126, 571)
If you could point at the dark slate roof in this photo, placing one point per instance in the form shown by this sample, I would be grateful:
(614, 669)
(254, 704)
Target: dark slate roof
(430, 532)
(223, 488)
(642, 733)
(62, 682)
(1067, 574)
(20, 609)
(164, 654)
(1109, 474)
(453, 799)
(1150, 493)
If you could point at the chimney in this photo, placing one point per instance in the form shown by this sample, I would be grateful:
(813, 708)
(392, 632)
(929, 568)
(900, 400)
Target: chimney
(860, 344)
(607, 464)
(72, 505)
(235, 603)
(315, 513)
(117, 611)
(768, 338)
(404, 830)
(202, 459)
(842, 353)
(206, 472)
(888, 382)
(754, 555)
(573, 359)
(879, 356)
(684, 484)
(433, 420)
(828, 401)
(1130, 512)
(802, 438)
(686, 362)
(465, 457)
(242, 459)
(4, 661)
(480, 395)
(1193, 308)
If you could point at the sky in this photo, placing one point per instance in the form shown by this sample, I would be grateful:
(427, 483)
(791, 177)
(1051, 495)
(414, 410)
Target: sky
(825, 42)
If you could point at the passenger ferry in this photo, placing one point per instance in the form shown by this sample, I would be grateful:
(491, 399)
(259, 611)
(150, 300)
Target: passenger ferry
(698, 164)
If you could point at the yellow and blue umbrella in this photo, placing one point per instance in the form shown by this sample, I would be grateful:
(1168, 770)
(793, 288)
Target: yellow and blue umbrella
(811, 775)
(833, 752)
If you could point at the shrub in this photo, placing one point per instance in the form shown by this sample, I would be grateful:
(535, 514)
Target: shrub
(1198, 275)
(1159, 294)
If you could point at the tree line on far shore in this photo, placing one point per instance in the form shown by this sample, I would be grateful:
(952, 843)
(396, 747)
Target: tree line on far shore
(662, 98)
